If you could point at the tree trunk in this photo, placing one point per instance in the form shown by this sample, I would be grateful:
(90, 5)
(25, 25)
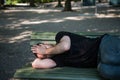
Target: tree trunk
(67, 5)
(59, 4)
(32, 3)
(2, 2)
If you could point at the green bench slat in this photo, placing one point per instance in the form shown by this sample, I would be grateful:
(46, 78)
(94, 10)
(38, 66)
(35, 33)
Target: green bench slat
(40, 37)
(64, 73)
(49, 37)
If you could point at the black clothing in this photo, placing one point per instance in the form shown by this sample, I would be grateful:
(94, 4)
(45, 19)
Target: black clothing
(83, 51)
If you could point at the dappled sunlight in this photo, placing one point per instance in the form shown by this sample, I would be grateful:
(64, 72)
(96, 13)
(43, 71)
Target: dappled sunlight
(54, 20)
(97, 15)
(115, 30)
(74, 18)
(91, 30)
(110, 31)
(111, 15)
(33, 10)
(16, 39)
(42, 21)
(13, 26)
(48, 10)
(114, 10)
(21, 37)
(11, 18)
(24, 21)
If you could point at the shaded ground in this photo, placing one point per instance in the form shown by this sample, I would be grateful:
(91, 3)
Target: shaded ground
(16, 25)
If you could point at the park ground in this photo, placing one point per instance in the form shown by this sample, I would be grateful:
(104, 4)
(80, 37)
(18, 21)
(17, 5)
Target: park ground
(17, 24)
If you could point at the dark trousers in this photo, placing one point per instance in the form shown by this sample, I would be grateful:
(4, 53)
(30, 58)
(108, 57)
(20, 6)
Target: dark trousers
(109, 63)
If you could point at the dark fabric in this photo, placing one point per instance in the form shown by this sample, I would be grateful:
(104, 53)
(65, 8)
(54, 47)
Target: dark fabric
(109, 65)
(83, 51)
(110, 50)
(109, 71)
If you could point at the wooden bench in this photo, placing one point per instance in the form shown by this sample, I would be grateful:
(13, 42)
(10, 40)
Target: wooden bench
(58, 73)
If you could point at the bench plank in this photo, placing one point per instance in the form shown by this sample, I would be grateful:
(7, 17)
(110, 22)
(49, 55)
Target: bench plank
(64, 73)
(49, 37)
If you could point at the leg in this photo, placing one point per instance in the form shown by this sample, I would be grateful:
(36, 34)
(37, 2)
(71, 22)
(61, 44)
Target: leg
(109, 65)
(110, 50)
(109, 71)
